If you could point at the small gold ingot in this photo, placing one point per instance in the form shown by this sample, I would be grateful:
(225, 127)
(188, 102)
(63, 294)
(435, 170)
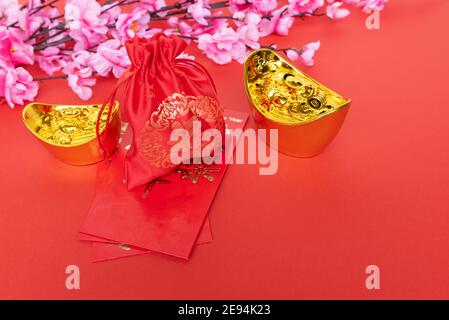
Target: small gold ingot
(69, 131)
(306, 114)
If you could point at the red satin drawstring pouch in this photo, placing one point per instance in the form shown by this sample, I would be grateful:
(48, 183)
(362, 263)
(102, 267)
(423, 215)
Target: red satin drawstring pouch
(159, 93)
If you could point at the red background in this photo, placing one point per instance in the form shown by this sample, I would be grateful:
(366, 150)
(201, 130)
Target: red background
(377, 195)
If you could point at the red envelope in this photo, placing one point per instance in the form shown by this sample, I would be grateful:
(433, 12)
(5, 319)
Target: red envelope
(204, 236)
(168, 219)
(104, 249)
(110, 251)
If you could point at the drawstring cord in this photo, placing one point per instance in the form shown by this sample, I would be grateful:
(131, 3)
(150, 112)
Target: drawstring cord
(111, 102)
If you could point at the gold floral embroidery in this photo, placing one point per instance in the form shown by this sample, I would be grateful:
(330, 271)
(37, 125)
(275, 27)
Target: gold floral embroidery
(152, 149)
(177, 105)
(153, 144)
(195, 172)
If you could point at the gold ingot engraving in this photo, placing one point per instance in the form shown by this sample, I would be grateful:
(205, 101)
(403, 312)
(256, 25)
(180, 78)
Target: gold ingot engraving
(307, 114)
(69, 131)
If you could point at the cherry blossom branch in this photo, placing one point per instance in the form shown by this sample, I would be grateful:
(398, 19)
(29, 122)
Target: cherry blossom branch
(51, 78)
(309, 14)
(103, 50)
(48, 38)
(177, 5)
(60, 26)
(215, 5)
(284, 50)
(41, 45)
(34, 11)
(53, 44)
(192, 18)
(34, 34)
(122, 2)
(186, 37)
(39, 8)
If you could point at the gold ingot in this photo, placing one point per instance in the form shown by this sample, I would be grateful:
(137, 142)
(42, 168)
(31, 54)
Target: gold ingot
(306, 114)
(69, 131)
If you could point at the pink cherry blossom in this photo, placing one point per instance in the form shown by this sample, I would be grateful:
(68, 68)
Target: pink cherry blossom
(304, 55)
(239, 15)
(304, 6)
(182, 27)
(367, 5)
(152, 5)
(51, 60)
(12, 49)
(263, 6)
(373, 5)
(85, 14)
(150, 33)
(249, 30)
(334, 11)
(32, 4)
(88, 39)
(130, 25)
(292, 54)
(308, 52)
(196, 29)
(81, 86)
(239, 6)
(55, 32)
(79, 64)
(30, 20)
(111, 12)
(86, 25)
(80, 74)
(279, 23)
(223, 46)
(30, 23)
(257, 6)
(111, 55)
(17, 85)
(9, 9)
(52, 23)
(199, 10)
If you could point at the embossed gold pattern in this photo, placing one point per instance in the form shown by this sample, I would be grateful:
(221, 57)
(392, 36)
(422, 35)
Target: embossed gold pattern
(192, 172)
(195, 172)
(67, 125)
(284, 94)
(176, 111)
(306, 114)
(69, 131)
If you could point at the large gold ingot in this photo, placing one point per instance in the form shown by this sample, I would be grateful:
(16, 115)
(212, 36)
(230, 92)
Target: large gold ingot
(307, 114)
(69, 131)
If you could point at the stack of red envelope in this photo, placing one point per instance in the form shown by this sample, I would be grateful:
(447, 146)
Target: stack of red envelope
(168, 215)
